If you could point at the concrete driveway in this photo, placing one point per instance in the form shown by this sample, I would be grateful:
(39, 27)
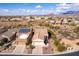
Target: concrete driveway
(19, 49)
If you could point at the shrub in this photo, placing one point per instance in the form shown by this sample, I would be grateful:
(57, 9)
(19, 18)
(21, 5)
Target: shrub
(53, 36)
(56, 42)
(76, 30)
(32, 46)
(61, 48)
(1, 43)
(77, 43)
(48, 25)
(63, 43)
(50, 18)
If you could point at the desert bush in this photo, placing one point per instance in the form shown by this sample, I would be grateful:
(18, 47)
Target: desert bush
(32, 46)
(77, 43)
(61, 48)
(76, 30)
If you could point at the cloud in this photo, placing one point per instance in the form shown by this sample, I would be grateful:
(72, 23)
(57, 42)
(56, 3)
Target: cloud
(38, 7)
(15, 11)
(4, 10)
(20, 11)
(64, 7)
(37, 10)
(28, 11)
(67, 7)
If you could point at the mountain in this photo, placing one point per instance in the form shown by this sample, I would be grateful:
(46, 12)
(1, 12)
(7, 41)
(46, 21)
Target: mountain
(71, 12)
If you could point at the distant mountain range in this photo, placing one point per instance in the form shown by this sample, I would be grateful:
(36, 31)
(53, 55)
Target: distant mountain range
(71, 12)
(65, 13)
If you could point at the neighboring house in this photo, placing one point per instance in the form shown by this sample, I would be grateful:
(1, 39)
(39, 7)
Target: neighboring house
(76, 22)
(52, 21)
(16, 19)
(2, 30)
(46, 17)
(58, 22)
(27, 17)
(65, 21)
(37, 18)
(8, 36)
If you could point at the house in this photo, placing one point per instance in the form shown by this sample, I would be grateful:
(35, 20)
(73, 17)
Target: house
(65, 21)
(58, 22)
(52, 21)
(16, 19)
(76, 22)
(37, 17)
(8, 36)
(39, 37)
(3, 29)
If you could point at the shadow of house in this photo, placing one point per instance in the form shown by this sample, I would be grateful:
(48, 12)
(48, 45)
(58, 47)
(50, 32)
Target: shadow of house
(29, 39)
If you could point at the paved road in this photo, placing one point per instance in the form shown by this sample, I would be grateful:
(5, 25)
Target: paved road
(19, 49)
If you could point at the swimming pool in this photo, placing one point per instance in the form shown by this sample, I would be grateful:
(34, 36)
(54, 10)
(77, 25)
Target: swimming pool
(24, 30)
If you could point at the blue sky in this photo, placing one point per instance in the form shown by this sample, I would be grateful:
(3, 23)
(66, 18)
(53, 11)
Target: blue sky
(36, 8)
(25, 5)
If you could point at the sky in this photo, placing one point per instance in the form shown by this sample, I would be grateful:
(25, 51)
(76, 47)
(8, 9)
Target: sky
(36, 8)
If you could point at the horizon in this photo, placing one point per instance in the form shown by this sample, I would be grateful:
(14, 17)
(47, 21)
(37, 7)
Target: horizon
(24, 9)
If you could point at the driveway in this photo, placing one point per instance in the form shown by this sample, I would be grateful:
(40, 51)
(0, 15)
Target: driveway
(37, 50)
(19, 49)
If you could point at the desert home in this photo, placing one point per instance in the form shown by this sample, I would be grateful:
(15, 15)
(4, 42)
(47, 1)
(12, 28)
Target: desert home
(39, 36)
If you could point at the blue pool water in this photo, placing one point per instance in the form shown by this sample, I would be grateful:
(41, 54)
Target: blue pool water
(24, 30)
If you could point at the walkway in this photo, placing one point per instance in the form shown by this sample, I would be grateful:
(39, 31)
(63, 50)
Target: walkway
(38, 50)
(19, 49)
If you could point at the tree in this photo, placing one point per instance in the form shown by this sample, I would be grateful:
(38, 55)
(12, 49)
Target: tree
(31, 17)
(50, 18)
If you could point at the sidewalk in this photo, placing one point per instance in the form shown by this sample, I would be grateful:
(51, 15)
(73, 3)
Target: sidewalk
(19, 49)
(38, 50)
